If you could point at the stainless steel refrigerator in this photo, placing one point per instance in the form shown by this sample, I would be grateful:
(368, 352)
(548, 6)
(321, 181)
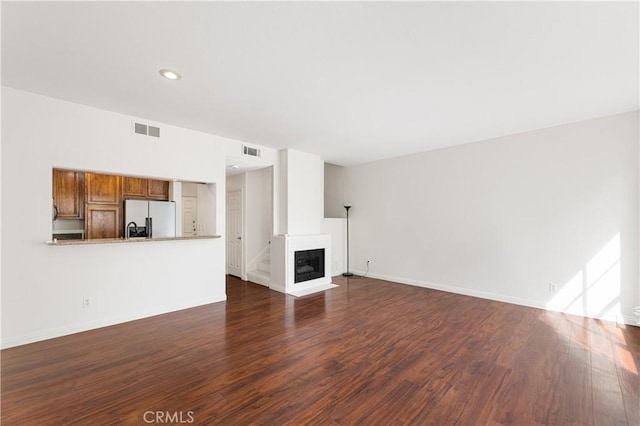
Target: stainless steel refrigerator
(158, 218)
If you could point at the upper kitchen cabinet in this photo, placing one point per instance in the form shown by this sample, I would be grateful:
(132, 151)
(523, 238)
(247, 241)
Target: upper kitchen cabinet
(68, 194)
(133, 187)
(158, 189)
(103, 189)
(142, 188)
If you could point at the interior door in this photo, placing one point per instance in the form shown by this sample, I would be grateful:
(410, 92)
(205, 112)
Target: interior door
(234, 233)
(189, 215)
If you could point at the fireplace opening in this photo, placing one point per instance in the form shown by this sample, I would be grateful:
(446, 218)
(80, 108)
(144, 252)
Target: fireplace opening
(309, 265)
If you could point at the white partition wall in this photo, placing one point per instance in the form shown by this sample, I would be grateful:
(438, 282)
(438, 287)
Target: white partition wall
(301, 188)
(301, 183)
(42, 286)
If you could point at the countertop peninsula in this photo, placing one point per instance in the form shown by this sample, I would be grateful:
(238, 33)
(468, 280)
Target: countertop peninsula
(128, 241)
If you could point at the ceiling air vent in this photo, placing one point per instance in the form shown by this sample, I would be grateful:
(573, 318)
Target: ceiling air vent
(143, 129)
(253, 152)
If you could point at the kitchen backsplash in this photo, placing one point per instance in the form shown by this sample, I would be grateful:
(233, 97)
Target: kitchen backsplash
(68, 224)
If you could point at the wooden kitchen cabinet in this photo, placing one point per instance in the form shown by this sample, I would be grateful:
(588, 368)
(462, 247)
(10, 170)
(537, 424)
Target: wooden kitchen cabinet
(133, 187)
(145, 189)
(98, 198)
(68, 194)
(103, 189)
(103, 221)
(103, 194)
(158, 189)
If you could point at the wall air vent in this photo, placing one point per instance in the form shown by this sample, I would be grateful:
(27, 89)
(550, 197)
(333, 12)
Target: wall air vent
(253, 152)
(143, 129)
(140, 128)
(154, 131)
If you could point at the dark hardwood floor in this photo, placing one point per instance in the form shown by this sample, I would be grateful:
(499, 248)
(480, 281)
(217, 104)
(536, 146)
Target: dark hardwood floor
(368, 352)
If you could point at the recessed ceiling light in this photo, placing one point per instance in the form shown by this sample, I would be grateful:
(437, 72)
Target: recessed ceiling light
(233, 166)
(171, 75)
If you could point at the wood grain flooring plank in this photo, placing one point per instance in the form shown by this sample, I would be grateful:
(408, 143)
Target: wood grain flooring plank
(626, 350)
(608, 403)
(369, 352)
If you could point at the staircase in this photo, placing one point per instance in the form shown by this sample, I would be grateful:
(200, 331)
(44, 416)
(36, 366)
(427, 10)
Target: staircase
(261, 275)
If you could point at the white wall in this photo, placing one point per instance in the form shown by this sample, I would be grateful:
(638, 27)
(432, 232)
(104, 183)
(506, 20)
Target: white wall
(207, 196)
(504, 218)
(337, 229)
(258, 212)
(236, 182)
(280, 191)
(302, 183)
(43, 286)
(334, 197)
(189, 189)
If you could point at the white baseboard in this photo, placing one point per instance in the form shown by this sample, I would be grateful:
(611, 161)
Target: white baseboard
(259, 277)
(92, 325)
(624, 319)
(629, 320)
(273, 286)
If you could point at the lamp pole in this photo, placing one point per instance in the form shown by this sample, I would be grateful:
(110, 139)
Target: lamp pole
(347, 274)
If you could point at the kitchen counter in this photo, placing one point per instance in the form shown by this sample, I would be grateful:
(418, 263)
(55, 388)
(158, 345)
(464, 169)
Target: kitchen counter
(128, 241)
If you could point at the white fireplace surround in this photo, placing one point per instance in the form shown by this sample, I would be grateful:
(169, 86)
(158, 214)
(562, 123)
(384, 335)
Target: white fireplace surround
(283, 248)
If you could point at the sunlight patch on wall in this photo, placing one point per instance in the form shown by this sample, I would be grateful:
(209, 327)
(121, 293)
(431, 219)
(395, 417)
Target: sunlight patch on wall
(594, 290)
(569, 298)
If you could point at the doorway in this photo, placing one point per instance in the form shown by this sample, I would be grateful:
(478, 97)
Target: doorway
(189, 215)
(234, 233)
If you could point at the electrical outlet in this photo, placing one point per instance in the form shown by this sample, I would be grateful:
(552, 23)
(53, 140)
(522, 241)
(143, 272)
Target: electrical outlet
(86, 302)
(553, 287)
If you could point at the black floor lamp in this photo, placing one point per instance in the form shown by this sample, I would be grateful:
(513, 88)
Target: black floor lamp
(347, 274)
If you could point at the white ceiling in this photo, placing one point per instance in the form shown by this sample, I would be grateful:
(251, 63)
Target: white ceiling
(239, 165)
(352, 82)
